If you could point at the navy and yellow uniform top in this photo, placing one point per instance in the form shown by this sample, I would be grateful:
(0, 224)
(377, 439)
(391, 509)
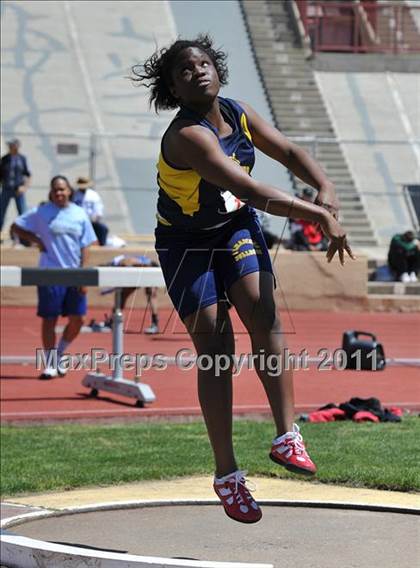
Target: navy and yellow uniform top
(206, 238)
(186, 200)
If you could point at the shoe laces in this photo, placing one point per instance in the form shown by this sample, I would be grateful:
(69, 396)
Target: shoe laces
(293, 440)
(296, 444)
(239, 485)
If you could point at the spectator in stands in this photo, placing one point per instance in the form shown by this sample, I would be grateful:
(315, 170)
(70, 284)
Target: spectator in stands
(404, 256)
(306, 235)
(62, 231)
(92, 203)
(15, 178)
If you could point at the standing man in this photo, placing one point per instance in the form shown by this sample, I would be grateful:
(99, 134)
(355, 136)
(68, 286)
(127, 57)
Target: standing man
(92, 203)
(15, 178)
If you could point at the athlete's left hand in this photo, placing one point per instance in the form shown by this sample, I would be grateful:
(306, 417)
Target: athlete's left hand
(337, 237)
(327, 199)
(82, 290)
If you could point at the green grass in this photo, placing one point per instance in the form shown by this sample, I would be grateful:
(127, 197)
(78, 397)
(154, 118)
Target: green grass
(60, 457)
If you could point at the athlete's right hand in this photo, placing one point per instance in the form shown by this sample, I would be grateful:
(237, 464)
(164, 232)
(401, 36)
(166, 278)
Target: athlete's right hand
(337, 237)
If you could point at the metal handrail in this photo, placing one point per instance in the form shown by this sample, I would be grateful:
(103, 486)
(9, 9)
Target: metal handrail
(360, 27)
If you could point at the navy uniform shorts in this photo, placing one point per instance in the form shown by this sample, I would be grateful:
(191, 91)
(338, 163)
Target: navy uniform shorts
(54, 301)
(200, 267)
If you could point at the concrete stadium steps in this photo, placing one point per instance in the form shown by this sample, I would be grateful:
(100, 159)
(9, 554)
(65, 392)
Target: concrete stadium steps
(349, 220)
(351, 223)
(300, 109)
(393, 303)
(344, 191)
(389, 289)
(355, 228)
(374, 263)
(295, 96)
(298, 106)
(394, 288)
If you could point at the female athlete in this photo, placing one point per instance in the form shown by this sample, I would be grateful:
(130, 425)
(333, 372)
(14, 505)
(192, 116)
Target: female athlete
(211, 247)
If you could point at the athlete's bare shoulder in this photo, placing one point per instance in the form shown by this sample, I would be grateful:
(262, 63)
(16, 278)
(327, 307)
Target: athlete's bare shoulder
(180, 133)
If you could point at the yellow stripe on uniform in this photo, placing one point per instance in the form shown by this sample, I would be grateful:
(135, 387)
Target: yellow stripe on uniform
(244, 124)
(182, 186)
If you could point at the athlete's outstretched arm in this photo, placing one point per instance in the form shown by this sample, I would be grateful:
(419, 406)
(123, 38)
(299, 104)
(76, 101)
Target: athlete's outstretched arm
(270, 141)
(201, 151)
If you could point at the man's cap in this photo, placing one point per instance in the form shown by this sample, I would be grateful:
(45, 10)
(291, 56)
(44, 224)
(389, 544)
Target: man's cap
(13, 142)
(83, 181)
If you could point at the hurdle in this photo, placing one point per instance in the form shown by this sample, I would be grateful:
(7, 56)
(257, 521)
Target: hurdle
(104, 276)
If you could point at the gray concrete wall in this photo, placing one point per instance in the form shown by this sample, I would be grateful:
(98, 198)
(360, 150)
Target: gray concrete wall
(378, 117)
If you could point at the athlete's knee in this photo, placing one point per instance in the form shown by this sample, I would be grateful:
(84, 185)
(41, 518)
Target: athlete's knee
(76, 321)
(262, 319)
(215, 344)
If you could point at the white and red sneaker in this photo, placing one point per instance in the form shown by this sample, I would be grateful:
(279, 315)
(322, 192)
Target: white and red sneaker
(236, 499)
(289, 451)
(48, 374)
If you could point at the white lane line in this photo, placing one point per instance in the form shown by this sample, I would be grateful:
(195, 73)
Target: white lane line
(173, 360)
(185, 409)
(124, 411)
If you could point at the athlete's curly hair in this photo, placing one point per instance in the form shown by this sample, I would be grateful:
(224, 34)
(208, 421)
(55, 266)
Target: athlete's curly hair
(155, 72)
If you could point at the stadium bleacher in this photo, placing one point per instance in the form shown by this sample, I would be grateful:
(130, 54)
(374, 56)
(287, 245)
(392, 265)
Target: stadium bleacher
(352, 103)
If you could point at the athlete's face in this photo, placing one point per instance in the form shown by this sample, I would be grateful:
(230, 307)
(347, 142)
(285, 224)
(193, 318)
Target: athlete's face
(194, 77)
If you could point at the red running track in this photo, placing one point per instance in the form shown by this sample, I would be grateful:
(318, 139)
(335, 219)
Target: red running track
(25, 398)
